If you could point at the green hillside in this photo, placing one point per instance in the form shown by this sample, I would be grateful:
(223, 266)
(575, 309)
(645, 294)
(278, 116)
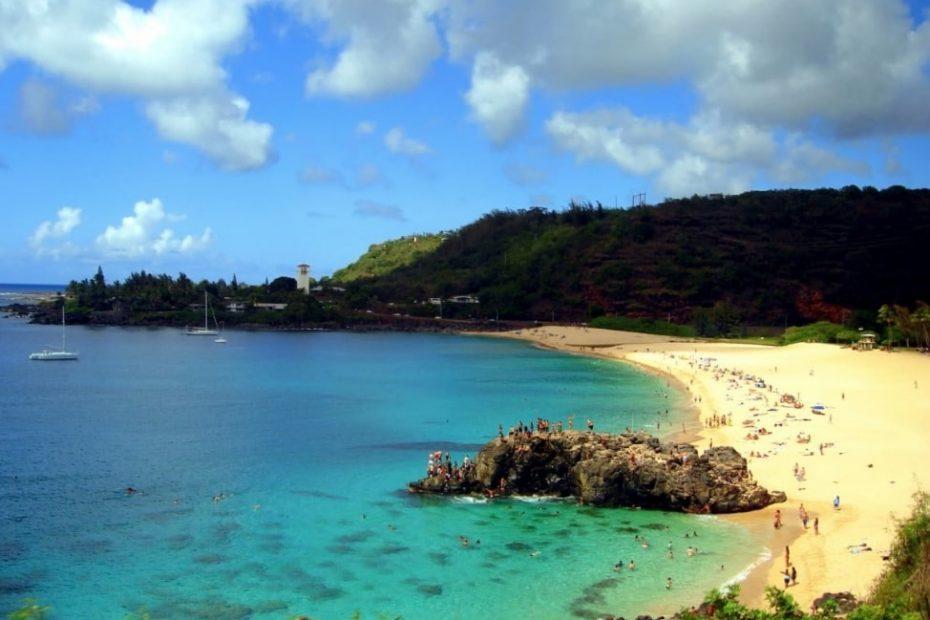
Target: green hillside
(763, 258)
(383, 258)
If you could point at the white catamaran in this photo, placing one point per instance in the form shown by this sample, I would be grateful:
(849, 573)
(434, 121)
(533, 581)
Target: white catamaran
(205, 330)
(49, 354)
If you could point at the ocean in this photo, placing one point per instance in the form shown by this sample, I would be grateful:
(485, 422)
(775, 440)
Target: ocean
(272, 474)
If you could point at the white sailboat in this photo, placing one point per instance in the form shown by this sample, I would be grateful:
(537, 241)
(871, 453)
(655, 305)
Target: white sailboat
(205, 330)
(49, 354)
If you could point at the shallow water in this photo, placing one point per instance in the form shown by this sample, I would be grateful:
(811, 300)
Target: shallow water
(307, 440)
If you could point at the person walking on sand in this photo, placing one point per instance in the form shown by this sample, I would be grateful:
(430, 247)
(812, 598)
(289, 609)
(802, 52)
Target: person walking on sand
(787, 577)
(776, 520)
(668, 583)
(787, 557)
(794, 576)
(836, 503)
(816, 526)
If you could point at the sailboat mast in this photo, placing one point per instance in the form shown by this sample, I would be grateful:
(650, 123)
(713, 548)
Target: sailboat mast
(205, 327)
(63, 328)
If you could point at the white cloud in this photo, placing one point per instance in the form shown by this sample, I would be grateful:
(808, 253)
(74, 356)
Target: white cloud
(498, 96)
(42, 111)
(217, 125)
(171, 56)
(365, 128)
(397, 141)
(855, 66)
(68, 219)
(369, 208)
(388, 45)
(704, 155)
(143, 234)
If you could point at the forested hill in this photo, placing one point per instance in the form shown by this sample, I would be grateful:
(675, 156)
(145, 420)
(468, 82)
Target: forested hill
(767, 257)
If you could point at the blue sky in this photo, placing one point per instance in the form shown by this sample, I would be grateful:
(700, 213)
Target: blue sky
(245, 136)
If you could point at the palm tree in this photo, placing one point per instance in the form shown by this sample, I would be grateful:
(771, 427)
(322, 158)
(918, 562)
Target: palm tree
(886, 315)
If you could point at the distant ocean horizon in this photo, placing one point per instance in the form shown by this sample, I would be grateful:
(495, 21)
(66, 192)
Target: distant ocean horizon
(272, 473)
(25, 286)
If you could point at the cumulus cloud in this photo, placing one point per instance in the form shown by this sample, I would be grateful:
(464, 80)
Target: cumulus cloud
(387, 46)
(171, 56)
(857, 65)
(704, 155)
(369, 208)
(398, 142)
(68, 218)
(498, 96)
(217, 125)
(143, 234)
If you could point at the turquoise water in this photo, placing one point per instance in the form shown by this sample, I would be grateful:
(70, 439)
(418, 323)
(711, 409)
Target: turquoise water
(308, 439)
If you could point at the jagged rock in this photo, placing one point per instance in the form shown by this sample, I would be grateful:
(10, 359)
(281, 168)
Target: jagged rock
(632, 469)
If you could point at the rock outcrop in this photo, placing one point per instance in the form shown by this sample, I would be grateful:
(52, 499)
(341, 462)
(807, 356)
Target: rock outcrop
(632, 469)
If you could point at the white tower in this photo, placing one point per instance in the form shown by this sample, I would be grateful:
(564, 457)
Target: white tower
(303, 278)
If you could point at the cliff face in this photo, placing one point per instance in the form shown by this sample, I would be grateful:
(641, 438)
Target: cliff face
(610, 470)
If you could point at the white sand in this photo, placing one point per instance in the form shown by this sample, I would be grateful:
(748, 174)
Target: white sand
(875, 417)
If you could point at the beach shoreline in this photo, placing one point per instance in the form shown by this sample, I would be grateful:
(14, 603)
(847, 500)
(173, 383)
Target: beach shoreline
(870, 461)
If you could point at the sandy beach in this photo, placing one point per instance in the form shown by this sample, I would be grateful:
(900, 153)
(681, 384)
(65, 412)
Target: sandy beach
(866, 445)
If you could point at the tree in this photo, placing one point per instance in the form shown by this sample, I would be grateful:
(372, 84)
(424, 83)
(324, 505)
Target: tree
(902, 320)
(886, 316)
(921, 317)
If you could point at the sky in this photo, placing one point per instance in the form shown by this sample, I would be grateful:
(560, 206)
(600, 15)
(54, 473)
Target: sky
(217, 137)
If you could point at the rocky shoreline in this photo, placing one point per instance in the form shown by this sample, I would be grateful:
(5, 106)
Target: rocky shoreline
(629, 469)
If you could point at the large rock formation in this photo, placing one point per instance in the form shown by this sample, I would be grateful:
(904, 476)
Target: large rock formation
(633, 469)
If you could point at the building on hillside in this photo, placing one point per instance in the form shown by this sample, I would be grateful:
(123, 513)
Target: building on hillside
(303, 278)
(464, 299)
(270, 306)
(235, 306)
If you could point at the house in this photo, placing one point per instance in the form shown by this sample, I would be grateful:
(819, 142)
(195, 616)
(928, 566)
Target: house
(866, 341)
(464, 299)
(270, 306)
(235, 306)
